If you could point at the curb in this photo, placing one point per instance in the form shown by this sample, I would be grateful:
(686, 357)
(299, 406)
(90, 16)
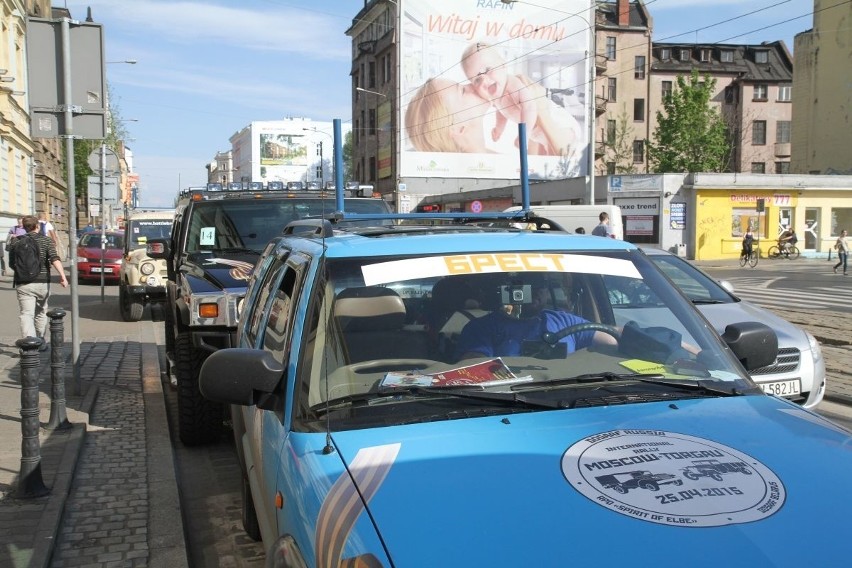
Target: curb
(166, 541)
(48, 526)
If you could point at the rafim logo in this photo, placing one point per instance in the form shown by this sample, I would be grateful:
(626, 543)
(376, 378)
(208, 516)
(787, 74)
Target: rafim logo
(241, 270)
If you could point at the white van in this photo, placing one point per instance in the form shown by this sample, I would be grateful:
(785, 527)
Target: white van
(571, 217)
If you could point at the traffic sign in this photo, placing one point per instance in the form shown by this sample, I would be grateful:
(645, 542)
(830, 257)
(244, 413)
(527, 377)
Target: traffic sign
(110, 161)
(111, 192)
(476, 206)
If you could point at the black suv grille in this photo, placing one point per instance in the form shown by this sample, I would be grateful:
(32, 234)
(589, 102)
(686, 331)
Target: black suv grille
(787, 361)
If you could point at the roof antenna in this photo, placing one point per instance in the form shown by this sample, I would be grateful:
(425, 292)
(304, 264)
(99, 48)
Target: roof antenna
(89, 14)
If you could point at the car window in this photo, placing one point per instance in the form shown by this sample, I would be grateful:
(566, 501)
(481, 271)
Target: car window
(140, 231)
(374, 320)
(697, 286)
(279, 323)
(259, 298)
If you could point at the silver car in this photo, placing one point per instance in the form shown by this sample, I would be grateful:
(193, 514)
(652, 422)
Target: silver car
(798, 373)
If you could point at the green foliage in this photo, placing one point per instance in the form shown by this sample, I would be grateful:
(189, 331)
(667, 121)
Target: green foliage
(690, 136)
(619, 146)
(347, 157)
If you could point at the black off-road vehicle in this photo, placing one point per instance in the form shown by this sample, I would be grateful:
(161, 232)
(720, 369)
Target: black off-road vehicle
(216, 238)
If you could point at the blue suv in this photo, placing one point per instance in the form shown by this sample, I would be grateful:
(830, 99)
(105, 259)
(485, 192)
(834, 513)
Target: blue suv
(434, 393)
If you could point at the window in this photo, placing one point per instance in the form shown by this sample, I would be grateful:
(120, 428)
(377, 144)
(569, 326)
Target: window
(782, 132)
(610, 168)
(745, 219)
(665, 53)
(760, 93)
(704, 54)
(758, 132)
(761, 56)
(276, 337)
(841, 218)
(758, 168)
(785, 93)
(782, 167)
(388, 69)
(372, 121)
(611, 90)
(372, 74)
(610, 48)
(667, 89)
(639, 110)
(730, 94)
(726, 56)
(610, 132)
(639, 67)
(356, 130)
(684, 55)
(638, 151)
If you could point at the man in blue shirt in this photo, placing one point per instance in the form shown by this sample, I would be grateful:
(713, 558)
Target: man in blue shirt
(503, 331)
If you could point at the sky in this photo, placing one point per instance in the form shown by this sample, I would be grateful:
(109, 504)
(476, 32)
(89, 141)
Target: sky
(205, 69)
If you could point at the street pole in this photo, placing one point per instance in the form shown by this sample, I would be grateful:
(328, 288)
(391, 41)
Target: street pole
(322, 169)
(590, 180)
(68, 115)
(103, 217)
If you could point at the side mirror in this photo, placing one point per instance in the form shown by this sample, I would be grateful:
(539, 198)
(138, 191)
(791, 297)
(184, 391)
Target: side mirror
(246, 377)
(158, 248)
(754, 344)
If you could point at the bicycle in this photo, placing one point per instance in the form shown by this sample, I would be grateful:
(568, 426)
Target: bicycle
(750, 258)
(791, 252)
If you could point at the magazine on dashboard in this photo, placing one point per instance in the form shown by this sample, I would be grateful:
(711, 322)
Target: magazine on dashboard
(487, 373)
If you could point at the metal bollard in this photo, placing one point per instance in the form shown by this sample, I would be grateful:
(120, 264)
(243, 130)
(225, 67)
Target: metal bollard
(58, 418)
(30, 484)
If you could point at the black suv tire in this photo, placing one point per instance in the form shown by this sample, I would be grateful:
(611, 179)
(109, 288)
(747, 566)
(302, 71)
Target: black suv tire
(130, 306)
(200, 421)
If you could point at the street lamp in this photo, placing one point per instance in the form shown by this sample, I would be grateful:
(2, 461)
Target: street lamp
(376, 134)
(590, 93)
(128, 61)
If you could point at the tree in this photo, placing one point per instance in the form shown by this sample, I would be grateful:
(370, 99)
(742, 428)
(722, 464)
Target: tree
(619, 144)
(348, 166)
(690, 136)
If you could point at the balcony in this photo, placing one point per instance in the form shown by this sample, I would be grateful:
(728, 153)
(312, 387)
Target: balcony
(600, 63)
(600, 149)
(782, 150)
(600, 105)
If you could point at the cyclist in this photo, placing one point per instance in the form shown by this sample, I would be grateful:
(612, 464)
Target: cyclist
(748, 243)
(786, 239)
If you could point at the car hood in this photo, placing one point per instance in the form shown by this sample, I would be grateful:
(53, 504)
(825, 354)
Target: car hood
(219, 272)
(530, 489)
(721, 315)
(95, 252)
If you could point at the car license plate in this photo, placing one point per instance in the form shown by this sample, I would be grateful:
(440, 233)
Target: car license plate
(107, 269)
(783, 388)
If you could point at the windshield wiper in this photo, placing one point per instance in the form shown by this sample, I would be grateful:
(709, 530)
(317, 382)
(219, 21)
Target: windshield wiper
(698, 301)
(689, 385)
(511, 399)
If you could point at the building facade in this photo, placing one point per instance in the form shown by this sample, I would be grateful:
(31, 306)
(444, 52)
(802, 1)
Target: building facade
(288, 150)
(821, 92)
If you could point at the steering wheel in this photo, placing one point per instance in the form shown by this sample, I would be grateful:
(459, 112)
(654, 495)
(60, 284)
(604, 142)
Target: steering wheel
(552, 338)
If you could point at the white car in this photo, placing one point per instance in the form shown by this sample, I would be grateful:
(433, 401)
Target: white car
(798, 373)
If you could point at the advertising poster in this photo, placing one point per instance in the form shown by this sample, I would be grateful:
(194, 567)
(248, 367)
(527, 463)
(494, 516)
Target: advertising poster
(472, 70)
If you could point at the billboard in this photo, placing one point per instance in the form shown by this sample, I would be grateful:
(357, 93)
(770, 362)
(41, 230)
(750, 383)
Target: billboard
(471, 71)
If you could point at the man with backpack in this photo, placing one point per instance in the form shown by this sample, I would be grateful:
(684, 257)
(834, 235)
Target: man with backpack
(34, 255)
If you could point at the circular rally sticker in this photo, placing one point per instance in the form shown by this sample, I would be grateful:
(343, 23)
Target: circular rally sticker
(672, 479)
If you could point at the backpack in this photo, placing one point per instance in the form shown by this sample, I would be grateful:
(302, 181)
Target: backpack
(28, 263)
(42, 228)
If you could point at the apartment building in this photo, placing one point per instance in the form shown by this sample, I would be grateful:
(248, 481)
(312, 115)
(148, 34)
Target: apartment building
(31, 176)
(753, 94)
(823, 98)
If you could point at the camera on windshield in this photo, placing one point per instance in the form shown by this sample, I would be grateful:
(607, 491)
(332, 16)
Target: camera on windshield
(516, 294)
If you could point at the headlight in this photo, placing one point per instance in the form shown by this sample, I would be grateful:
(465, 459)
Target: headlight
(84, 259)
(152, 281)
(815, 347)
(146, 268)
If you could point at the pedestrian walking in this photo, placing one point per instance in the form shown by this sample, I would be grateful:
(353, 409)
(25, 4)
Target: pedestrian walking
(15, 232)
(842, 252)
(33, 293)
(603, 230)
